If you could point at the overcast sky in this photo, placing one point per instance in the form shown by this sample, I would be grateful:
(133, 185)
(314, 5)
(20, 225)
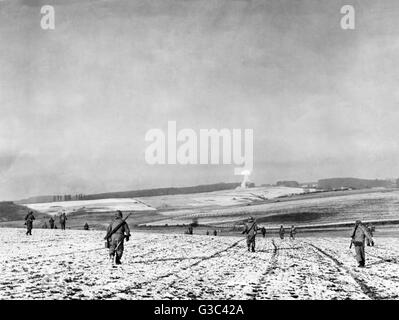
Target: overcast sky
(77, 101)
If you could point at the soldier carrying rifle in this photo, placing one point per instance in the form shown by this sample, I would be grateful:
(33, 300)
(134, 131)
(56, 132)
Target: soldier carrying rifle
(251, 229)
(359, 234)
(117, 231)
(29, 222)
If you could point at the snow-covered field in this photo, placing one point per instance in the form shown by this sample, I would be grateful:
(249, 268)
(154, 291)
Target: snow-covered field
(101, 205)
(53, 264)
(176, 209)
(217, 198)
(335, 208)
(217, 204)
(184, 203)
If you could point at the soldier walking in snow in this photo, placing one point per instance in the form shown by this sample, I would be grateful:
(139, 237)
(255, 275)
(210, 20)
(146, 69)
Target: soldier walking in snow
(251, 229)
(86, 226)
(29, 222)
(263, 230)
(359, 234)
(117, 231)
(281, 232)
(292, 232)
(51, 222)
(63, 220)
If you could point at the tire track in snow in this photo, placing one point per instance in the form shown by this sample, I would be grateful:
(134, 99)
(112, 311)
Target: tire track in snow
(388, 260)
(200, 261)
(140, 285)
(250, 295)
(235, 261)
(272, 266)
(368, 291)
(378, 248)
(381, 260)
(172, 284)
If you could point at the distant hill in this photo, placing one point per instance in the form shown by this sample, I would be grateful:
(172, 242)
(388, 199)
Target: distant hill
(9, 211)
(143, 193)
(290, 184)
(354, 183)
(164, 191)
(37, 199)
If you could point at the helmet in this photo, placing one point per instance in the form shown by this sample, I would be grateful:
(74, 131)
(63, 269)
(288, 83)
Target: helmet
(118, 214)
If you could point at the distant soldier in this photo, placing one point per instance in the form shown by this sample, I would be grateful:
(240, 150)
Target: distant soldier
(371, 230)
(190, 230)
(359, 234)
(63, 220)
(281, 232)
(207, 232)
(29, 222)
(292, 232)
(215, 233)
(263, 230)
(117, 238)
(51, 222)
(86, 226)
(251, 229)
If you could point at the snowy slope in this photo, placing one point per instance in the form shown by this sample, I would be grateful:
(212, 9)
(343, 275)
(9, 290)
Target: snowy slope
(101, 205)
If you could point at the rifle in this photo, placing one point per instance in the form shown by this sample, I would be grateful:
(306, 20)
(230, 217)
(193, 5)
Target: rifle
(353, 235)
(250, 230)
(109, 234)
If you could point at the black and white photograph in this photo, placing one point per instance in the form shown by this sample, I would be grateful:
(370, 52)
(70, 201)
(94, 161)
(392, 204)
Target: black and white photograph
(201, 150)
